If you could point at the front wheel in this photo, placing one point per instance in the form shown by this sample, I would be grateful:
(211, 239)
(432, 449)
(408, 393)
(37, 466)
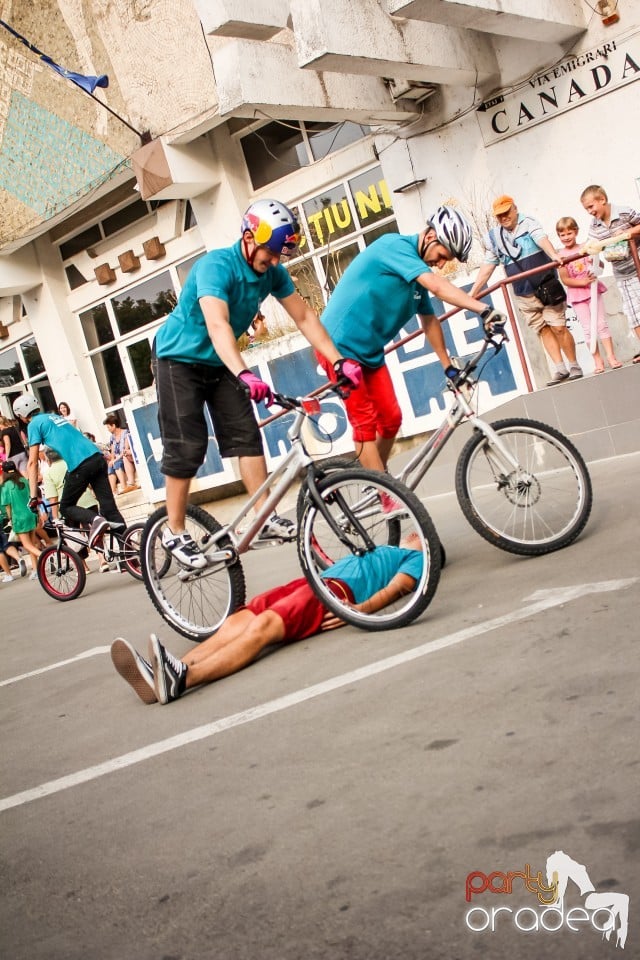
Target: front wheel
(346, 542)
(530, 498)
(130, 549)
(194, 602)
(61, 573)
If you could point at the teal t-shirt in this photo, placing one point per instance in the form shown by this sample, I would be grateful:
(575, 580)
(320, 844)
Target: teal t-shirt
(224, 274)
(52, 430)
(372, 572)
(375, 297)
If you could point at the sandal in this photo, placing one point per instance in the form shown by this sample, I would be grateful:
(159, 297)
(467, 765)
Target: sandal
(636, 359)
(615, 364)
(599, 370)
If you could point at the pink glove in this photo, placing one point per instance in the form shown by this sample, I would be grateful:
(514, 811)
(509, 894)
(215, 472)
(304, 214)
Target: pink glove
(258, 389)
(349, 370)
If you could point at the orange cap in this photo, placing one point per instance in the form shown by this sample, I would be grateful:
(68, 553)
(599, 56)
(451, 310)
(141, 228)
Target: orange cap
(502, 204)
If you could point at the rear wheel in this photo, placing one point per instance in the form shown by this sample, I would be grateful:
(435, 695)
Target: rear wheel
(61, 573)
(360, 505)
(194, 602)
(130, 549)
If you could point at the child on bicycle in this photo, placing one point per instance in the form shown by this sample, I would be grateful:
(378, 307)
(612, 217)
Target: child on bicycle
(280, 615)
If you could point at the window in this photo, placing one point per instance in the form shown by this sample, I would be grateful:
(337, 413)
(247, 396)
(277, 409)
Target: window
(119, 332)
(21, 365)
(277, 148)
(337, 224)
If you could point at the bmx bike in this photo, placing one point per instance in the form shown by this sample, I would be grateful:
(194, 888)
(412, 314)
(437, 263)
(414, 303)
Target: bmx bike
(340, 514)
(61, 570)
(521, 484)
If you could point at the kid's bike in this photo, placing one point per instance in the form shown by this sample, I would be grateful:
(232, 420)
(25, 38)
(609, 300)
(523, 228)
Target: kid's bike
(61, 569)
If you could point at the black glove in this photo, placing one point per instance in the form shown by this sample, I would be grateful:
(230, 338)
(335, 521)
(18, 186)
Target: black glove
(454, 374)
(33, 505)
(493, 321)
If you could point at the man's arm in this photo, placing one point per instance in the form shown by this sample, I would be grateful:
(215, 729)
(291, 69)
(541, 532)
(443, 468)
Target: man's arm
(433, 332)
(397, 587)
(307, 322)
(32, 469)
(444, 290)
(545, 244)
(216, 315)
(484, 273)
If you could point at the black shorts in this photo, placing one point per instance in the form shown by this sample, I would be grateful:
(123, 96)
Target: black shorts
(183, 389)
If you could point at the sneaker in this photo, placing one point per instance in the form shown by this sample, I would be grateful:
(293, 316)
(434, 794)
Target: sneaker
(559, 377)
(170, 674)
(34, 575)
(7, 578)
(134, 669)
(183, 547)
(278, 527)
(575, 372)
(97, 529)
(22, 564)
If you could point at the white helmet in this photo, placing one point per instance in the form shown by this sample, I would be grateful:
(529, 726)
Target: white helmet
(272, 224)
(453, 231)
(25, 405)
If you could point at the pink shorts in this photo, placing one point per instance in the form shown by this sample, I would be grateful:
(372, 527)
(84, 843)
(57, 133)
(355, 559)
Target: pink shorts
(373, 409)
(298, 606)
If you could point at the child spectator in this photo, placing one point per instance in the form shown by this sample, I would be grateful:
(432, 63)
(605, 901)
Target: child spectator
(610, 220)
(15, 498)
(578, 277)
(13, 446)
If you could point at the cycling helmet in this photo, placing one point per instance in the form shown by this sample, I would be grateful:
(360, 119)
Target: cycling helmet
(272, 224)
(453, 231)
(25, 405)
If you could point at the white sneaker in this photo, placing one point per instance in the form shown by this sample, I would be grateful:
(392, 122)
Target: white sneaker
(278, 527)
(7, 578)
(97, 529)
(183, 547)
(34, 576)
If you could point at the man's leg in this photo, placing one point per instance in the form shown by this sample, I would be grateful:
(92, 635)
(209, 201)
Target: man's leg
(177, 490)
(234, 649)
(99, 480)
(551, 344)
(75, 484)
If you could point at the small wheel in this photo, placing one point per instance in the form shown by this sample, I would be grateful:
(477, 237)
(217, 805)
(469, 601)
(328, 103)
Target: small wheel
(130, 549)
(61, 573)
(195, 603)
(353, 541)
(538, 506)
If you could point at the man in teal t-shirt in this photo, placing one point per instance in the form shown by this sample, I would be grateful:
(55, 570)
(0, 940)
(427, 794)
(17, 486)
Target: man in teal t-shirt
(379, 293)
(198, 363)
(85, 462)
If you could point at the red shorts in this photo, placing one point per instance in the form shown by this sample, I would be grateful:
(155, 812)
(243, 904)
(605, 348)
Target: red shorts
(373, 408)
(298, 606)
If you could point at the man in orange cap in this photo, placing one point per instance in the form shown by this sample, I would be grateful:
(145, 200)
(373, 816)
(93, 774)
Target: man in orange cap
(520, 243)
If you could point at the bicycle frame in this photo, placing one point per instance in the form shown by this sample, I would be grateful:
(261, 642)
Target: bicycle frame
(462, 410)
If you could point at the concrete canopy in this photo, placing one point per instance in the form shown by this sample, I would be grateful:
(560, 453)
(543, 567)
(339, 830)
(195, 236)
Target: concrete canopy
(551, 21)
(361, 38)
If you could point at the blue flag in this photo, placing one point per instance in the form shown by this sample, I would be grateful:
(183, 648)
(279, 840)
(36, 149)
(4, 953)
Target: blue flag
(87, 83)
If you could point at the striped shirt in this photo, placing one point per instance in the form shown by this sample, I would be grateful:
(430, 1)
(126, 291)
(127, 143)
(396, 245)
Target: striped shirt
(518, 250)
(622, 217)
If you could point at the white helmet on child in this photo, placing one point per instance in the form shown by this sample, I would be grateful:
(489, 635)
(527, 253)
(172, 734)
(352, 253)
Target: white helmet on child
(25, 405)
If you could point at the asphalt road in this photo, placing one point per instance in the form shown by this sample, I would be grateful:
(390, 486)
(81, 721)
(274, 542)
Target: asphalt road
(331, 800)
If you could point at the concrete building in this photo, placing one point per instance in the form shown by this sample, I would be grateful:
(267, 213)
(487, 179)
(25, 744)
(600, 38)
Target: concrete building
(363, 115)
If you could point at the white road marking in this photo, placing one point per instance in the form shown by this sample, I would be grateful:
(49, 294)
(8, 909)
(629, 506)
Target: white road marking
(94, 651)
(542, 600)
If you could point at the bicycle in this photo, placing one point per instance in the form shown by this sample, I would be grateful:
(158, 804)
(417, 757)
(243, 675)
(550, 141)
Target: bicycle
(340, 515)
(520, 483)
(61, 569)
